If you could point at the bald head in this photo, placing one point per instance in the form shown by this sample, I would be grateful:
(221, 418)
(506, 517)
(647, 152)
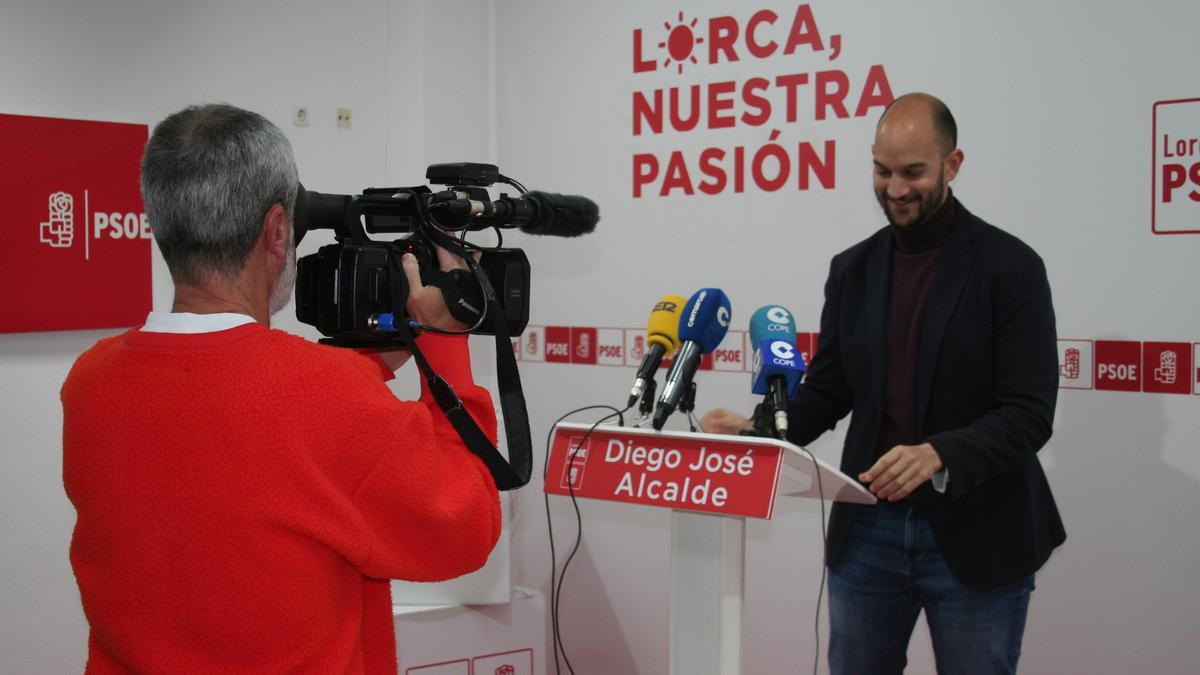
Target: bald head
(920, 113)
(915, 159)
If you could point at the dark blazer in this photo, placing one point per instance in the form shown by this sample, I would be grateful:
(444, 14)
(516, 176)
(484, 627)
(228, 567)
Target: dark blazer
(987, 381)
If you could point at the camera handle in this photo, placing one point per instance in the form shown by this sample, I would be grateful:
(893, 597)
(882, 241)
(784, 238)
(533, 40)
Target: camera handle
(511, 473)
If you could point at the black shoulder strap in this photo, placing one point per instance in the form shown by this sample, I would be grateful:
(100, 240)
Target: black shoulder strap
(511, 473)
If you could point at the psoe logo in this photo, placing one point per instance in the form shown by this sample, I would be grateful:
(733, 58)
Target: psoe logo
(1070, 367)
(1175, 199)
(1168, 368)
(58, 230)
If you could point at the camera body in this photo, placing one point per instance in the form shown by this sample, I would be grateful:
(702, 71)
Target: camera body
(346, 287)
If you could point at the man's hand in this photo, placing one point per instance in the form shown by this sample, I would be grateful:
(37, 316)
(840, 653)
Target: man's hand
(901, 470)
(722, 421)
(425, 303)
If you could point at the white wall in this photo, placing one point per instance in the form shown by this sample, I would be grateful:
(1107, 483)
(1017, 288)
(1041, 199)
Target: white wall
(1053, 102)
(129, 61)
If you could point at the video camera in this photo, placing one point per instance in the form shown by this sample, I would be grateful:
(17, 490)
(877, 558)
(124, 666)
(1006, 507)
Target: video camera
(352, 290)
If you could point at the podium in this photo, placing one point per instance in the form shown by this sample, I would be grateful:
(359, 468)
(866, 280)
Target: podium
(712, 483)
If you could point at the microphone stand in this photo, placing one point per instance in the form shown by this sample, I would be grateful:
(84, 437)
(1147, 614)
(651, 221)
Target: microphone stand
(646, 406)
(764, 422)
(687, 403)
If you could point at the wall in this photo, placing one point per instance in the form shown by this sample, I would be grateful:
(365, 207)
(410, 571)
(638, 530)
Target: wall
(128, 61)
(1054, 104)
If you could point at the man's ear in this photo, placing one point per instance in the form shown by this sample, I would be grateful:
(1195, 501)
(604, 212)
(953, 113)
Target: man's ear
(277, 231)
(953, 164)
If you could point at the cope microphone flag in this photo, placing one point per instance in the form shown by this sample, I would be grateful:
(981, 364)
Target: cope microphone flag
(702, 326)
(662, 338)
(778, 366)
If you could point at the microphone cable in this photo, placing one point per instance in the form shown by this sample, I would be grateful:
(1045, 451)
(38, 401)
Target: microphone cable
(824, 561)
(824, 554)
(556, 579)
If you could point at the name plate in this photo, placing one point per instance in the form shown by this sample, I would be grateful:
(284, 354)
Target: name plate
(728, 475)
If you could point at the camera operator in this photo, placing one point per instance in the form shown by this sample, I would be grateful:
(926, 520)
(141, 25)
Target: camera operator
(244, 495)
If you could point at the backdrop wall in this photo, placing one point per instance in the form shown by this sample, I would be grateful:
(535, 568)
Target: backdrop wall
(129, 61)
(1056, 111)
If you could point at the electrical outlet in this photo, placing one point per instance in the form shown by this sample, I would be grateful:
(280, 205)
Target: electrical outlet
(343, 118)
(300, 116)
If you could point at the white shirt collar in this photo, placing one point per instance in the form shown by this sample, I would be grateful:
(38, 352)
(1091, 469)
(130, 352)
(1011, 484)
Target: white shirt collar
(187, 322)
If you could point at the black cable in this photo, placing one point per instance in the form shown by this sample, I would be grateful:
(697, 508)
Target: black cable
(578, 523)
(824, 561)
(555, 589)
(513, 182)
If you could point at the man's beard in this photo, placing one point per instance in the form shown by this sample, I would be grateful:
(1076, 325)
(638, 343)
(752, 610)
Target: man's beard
(281, 290)
(926, 208)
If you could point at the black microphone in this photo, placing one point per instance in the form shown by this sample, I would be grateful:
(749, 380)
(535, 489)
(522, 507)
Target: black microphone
(538, 213)
(561, 215)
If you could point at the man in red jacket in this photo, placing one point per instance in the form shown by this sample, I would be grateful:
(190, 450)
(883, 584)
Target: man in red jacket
(243, 495)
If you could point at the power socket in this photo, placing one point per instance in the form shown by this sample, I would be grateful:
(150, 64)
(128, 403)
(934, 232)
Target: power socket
(343, 118)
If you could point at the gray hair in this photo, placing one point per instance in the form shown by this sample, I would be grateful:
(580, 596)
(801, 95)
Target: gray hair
(209, 175)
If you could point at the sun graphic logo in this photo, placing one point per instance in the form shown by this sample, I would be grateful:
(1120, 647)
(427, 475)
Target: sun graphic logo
(680, 43)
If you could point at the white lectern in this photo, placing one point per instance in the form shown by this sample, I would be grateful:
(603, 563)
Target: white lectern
(712, 483)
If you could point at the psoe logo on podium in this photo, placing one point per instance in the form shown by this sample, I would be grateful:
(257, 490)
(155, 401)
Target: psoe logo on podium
(577, 456)
(1175, 202)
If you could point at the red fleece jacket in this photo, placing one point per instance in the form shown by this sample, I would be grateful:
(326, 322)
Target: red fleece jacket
(244, 495)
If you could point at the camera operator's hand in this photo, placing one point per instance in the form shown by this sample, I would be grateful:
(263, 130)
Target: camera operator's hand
(426, 305)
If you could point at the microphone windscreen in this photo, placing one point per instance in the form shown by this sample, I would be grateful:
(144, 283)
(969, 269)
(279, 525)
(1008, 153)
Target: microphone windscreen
(776, 357)
(772, 322)
(705, 318)
(561, 215)
(663, 327)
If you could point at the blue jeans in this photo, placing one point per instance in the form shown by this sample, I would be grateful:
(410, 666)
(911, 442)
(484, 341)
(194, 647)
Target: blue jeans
(889, 570)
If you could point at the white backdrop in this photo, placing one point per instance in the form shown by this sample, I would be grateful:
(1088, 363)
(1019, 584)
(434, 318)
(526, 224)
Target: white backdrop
(1054, 105)
(131, 61)
(1055, 109)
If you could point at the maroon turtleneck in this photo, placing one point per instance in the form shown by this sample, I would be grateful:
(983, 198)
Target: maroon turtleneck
(915, 255)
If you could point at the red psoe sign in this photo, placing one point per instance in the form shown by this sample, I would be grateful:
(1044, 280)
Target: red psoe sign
(728, 475)
(76, 250)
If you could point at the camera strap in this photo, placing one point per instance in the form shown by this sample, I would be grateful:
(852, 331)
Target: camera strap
(515, 471)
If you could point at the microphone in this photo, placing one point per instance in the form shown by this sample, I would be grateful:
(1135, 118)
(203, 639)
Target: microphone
(561, 215)
(662, 338)
(778, 367)
(537, 213)
(702, 326)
